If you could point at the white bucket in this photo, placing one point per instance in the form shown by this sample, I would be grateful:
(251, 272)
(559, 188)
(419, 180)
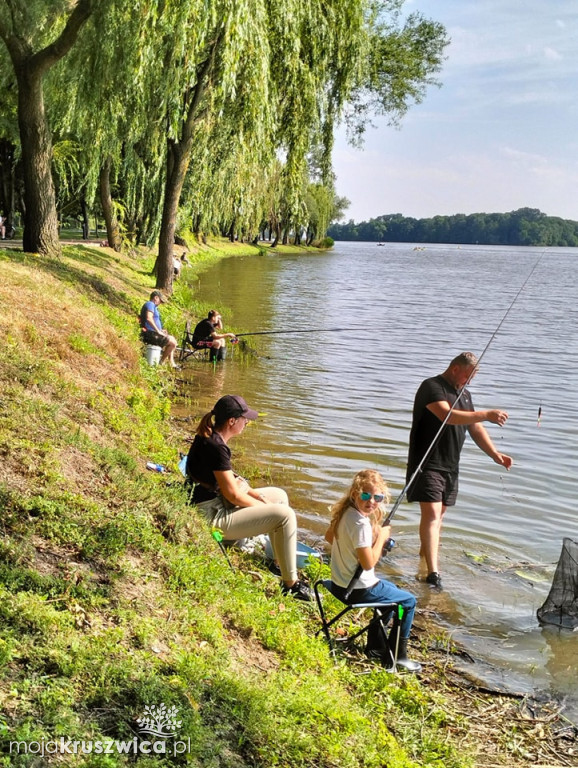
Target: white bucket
(153, 354)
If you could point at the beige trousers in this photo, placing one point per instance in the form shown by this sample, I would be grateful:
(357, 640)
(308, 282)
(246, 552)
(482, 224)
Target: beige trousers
(275, 518)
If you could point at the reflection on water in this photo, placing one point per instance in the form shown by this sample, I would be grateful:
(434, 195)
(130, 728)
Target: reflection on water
(335, 403)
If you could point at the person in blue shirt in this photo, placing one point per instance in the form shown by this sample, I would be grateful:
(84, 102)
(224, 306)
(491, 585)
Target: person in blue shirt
(152, 331)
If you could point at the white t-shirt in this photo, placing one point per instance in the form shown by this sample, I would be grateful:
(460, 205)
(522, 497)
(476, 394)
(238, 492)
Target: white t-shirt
(353, 532)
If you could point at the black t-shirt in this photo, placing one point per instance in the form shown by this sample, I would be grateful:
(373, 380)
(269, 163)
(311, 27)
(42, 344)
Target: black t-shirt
(203, 331)
(445, 456)
(207, 455)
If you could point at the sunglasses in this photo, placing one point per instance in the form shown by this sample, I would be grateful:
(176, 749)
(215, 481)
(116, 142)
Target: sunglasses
(377, 497)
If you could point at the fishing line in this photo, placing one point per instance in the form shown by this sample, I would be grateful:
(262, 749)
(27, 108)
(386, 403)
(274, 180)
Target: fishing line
(302, 330)
(438, 434)
(246, 348)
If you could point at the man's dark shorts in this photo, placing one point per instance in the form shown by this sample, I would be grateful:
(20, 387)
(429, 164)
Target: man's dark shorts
(431, 485)
(154, 338)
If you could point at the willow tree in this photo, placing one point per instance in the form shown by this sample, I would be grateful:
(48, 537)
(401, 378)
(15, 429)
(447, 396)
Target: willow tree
(345, 59)
(38, 34)
(269, 69)
(170, 96)
(276, 62)
(215, 68)
(103, 96)
(401, 59)
(230, 176)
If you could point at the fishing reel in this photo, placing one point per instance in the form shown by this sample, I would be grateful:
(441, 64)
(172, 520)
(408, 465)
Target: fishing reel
(388, 546)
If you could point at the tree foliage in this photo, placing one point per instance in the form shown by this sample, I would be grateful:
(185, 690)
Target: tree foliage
(173, 115)
(526, 226)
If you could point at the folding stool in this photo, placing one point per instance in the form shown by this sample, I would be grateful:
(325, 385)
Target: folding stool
(383, 613)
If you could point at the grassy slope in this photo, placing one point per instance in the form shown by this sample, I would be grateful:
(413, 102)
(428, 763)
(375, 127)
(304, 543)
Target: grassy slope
(111, 595)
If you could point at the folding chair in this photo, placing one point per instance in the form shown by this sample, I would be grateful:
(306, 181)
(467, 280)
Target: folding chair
(187, 349)
(383, 613)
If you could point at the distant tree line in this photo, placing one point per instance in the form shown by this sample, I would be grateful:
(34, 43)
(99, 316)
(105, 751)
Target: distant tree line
(526, 226)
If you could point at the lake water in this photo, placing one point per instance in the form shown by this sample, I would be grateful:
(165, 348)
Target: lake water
(334, 403)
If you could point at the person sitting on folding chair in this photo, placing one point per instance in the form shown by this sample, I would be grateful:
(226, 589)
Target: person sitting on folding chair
(358, 538)
(206, 334)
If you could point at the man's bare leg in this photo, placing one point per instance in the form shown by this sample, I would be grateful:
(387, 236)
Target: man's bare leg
(430, 527)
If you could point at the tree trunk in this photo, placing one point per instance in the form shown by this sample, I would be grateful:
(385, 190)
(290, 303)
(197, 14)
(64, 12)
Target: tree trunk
(111, 222)
(40, 217)
(41, 220)
(134, 228)
(178, 158)
(177, 164)
(277, 237)
(85, 219)
(7, 181)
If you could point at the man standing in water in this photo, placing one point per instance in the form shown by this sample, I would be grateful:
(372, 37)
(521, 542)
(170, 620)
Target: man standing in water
(436, 486)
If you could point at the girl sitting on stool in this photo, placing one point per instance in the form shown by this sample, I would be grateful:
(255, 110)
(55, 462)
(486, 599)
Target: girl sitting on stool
(357, 538)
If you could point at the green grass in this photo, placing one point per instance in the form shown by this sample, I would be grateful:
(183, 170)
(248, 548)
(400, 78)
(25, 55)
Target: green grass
(114, 597)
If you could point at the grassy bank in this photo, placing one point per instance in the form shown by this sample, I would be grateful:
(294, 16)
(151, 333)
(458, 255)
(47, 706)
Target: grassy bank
(113, 598)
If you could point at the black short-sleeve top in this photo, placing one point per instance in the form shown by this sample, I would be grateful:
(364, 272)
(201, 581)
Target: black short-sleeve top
(445, 456)
(203, 331)
(207, 455)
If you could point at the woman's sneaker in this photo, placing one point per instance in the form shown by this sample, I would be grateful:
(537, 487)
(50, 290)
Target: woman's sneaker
(299, 591)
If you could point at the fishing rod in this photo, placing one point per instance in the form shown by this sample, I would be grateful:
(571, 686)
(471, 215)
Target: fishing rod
(389, 543)
(302, 330)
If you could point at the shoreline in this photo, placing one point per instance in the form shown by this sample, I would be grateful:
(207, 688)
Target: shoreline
(489, 671)
(474, 679)
(112, 592)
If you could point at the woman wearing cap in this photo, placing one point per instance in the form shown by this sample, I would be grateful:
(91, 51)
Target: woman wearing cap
(229, 503)
(152, 331)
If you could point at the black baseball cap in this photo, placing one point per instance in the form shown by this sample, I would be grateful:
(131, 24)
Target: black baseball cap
(159, 295)
(232, 407)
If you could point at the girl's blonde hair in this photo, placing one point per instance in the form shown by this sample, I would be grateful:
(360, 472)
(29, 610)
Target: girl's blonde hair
(363, 479)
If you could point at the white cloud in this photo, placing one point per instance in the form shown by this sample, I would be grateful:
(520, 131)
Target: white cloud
(552, 54)
(499, 134)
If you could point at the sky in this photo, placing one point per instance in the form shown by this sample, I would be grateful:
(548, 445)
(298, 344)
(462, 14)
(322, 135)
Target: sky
(500, 134)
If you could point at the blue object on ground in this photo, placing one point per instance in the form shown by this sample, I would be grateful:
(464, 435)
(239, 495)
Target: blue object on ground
(304, 551)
